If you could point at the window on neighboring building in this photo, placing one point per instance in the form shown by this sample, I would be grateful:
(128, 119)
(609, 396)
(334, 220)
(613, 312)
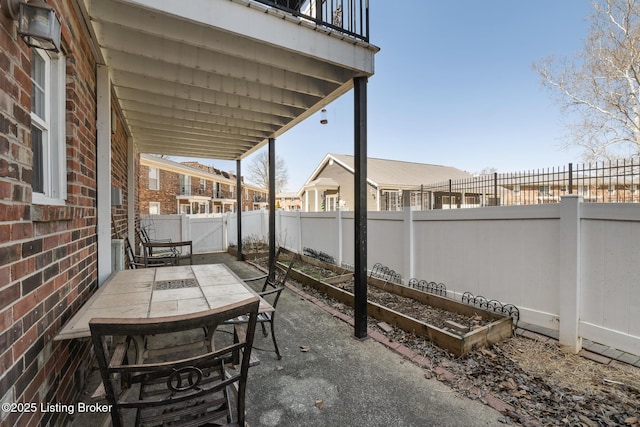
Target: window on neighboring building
(232, 190)
(185, 185)
(544, 190)
(48, 137)
(391, 200)
(203, 186)
(419, 200)
(154, 208)
(331, 203)
(154, 179)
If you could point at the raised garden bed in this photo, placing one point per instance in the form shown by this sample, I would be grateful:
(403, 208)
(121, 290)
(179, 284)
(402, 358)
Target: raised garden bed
(249, 254)
(452, 325)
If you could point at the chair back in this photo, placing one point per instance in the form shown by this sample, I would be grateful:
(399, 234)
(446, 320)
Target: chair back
(280, 274)
(183, 388)
(131, 256)
(144, 236)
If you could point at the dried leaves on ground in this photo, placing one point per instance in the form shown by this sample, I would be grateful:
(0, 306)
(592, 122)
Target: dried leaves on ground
(542, 384)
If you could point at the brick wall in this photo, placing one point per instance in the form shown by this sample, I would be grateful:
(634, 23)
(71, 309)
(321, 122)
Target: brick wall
(119, 178)
(169, 188)
(48, 254)
(166, 195)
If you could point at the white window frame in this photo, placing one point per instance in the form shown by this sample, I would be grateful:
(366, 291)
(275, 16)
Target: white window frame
(393, 200)
(52, 126)
(154, 176)
(331, 203)
(185, 185)
(154, 208)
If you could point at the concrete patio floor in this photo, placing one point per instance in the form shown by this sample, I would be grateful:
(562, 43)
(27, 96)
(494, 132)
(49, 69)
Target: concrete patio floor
(327, 377)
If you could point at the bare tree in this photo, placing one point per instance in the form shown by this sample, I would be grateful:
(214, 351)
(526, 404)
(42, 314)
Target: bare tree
(602, 84)
(258, 171)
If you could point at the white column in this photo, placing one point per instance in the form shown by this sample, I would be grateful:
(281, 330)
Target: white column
(300, 231)
(409, 254)
(569, 289)
(103, 162)
(131, 191)
(340, 236)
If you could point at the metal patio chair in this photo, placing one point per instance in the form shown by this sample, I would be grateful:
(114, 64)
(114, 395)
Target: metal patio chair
(271, 290)
(180, 388)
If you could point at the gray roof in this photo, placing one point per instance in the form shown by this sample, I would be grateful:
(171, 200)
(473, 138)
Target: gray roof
(396, 173)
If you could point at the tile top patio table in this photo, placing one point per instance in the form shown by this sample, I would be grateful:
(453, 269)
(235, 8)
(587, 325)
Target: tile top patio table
(159, 292)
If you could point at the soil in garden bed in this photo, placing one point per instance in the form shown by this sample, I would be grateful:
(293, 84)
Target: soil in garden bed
(431, 315)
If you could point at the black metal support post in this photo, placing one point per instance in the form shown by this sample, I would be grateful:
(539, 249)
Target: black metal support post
(495, 188)
(360, 187)
(272, 205)
(571, 178)
(239, 208)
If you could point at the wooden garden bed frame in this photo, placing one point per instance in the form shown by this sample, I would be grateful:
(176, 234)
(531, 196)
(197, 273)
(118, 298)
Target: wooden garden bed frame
(499, 328)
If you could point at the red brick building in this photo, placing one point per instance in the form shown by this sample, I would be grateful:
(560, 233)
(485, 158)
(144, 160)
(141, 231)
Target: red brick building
(168, 187)
(120, 78)
(49, 193)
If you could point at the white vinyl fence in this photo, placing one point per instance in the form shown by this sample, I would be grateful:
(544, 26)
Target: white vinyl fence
(572, 267)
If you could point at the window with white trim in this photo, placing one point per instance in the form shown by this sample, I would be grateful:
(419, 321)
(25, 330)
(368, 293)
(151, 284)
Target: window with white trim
(154, 179)
(185, 185)
(331, 203)
(48, 138)
(154, 208)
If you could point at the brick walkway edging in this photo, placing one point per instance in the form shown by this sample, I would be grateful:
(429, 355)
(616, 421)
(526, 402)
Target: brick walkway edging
(441, 374)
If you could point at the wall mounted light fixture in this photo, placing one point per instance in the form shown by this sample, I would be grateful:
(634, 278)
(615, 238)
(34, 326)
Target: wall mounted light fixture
(38, 24)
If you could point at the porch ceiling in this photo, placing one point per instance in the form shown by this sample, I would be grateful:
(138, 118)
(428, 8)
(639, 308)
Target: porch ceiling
(217, 78)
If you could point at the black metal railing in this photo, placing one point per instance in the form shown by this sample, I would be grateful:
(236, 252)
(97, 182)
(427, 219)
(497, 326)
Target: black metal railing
(221, 194)
(493, 305)
(346, 16)
(383, 272)
(603, 182)
(425, 286)
(319, 255)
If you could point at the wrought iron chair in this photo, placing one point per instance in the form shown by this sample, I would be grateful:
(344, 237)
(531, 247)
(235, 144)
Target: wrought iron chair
(182, 388)
(163, 252)
(155, 254)
(135, 261)
(167, 251)
(271, 290)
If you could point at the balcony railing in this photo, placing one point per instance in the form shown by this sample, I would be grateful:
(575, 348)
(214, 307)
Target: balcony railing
(221, 194)
(346, 16)
(260, 199)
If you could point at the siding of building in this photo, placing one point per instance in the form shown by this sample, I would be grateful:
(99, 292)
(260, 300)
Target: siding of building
(345, 179)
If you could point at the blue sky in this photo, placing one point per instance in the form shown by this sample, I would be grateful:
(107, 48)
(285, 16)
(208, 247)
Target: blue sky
(453, 85)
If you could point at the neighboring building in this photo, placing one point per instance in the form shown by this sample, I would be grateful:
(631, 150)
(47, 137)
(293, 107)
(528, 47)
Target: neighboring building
(124, 77)
(168, 187)
(330, 186)
(288, 202)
